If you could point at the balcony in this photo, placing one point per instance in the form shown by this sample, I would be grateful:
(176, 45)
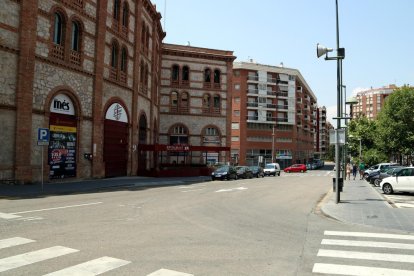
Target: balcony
(252, 91)
(253, 78)
(253, 104)
(282, 94)
(279, 82)
(282, 120)
(282, 107)
(272, 80)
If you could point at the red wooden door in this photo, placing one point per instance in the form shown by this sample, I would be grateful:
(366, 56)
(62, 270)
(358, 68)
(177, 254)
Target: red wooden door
(115, 148)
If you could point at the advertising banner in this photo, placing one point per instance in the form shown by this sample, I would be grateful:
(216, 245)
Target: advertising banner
(62, 152)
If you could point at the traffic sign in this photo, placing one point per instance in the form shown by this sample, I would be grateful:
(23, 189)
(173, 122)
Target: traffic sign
(43, 135)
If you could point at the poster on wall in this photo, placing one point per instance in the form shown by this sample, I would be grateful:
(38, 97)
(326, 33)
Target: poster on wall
(62, 152)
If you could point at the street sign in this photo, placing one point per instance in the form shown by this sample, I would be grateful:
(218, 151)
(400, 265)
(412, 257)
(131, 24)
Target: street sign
(43, 136)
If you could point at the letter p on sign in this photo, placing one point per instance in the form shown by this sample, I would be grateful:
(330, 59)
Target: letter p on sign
(43, 135)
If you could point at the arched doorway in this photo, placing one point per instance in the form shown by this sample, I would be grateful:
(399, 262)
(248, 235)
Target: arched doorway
(142, 140)
(62, 149)
(116, 141)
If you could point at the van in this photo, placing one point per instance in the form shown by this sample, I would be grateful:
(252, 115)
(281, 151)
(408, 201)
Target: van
(272, 169)
(381, 167)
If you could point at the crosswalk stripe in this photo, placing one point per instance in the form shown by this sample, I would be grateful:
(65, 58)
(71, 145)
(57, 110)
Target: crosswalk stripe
(368, 244)
(91, 268)
(358, 270)
(369, 235)
(404, 205)
(5, 243)
(33, 257)
(167, 272)
(8, 216)
(366, 256)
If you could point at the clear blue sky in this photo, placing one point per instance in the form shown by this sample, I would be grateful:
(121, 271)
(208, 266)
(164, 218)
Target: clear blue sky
(377, 35)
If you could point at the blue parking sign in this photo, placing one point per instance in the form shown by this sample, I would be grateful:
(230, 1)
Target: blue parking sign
(43, 135)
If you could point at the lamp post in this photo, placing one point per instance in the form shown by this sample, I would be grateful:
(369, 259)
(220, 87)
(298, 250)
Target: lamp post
(273, 143)
(320, 51)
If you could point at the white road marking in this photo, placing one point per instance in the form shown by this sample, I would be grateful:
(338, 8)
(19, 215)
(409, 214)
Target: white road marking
(57, 208)
(8, 216)
(369, 235)
(368, 244)
(167, 272)
(192, 190)
(358, 270)
(91, 268)
(13, 242)
(230, 190)
(404, 205)
(34, 257)
(189, 187)
(366, 256)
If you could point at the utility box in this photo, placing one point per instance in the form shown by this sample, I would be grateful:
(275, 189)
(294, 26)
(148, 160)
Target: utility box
(340, 184)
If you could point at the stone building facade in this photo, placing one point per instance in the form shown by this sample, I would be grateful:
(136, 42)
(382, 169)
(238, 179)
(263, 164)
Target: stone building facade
(274, 115)
(87, 70)
(195, 103)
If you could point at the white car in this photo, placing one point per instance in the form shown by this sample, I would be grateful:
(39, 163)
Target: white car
(377, 168)
(403, 181)
(272, 169)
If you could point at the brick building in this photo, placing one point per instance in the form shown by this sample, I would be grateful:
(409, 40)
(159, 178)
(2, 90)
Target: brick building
(89, 71)
(371, 101)
(273, 115)
(321, 134)
(195, 103)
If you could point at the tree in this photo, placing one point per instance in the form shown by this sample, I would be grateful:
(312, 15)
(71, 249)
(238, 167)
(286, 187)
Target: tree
(395, 123)
(364, 129)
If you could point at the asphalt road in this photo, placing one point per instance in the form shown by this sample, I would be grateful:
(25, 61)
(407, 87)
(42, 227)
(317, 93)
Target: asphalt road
(265, 226)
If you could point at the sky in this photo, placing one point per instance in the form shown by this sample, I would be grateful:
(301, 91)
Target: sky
(377, 36)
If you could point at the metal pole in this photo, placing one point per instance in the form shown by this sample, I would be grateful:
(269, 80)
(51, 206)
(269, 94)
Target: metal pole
(273, 143)
(42, 168)
(360, 150)
(338, 122)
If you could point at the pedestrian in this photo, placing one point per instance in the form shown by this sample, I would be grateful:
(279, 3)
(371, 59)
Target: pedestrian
(348, 171)
(361, 170)
(354, 170)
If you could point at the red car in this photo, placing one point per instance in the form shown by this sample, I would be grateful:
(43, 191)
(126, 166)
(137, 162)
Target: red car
(295, 168)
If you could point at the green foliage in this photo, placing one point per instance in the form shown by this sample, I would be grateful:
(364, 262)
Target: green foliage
(395, 123)
(374, 156)
(364, 129)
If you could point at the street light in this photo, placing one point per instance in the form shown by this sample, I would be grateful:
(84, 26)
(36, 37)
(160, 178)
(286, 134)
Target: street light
(320, 51)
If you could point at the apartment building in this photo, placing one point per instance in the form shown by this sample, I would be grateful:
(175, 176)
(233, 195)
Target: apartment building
(321, 132)
(88, 71)
(371, 101)
(273, 115)
(195, 106)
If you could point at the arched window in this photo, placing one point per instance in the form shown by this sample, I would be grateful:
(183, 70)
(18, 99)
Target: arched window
(216, 76)
(142, 73)
(184, 102)
(179, 135)
(175, 73)
(124, 60)
(174, 101)
(125, 15)
(186, 73)
(211, 136)
(211, 131)
(142, 129)
(206, 103)
(146, 75)
(114, 55)
(116, 9)
(75, 43)
(207, 75)
(216, 103)
(58, 29)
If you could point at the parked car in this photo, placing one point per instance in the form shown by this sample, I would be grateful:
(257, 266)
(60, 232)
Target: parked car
(377, 167)
(224, 172)
(257, 171)
(376, 180)
(402, 181)
(295, 168)
(244, 172)
(272, 169)
(376, 177)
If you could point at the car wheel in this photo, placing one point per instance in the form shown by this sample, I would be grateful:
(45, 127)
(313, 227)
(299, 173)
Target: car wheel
(377, 182)
(365, 175)
(387, 189)
(278, 173)
(301, 171)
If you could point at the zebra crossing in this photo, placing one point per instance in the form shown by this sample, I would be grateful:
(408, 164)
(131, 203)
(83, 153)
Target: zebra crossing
(90, 268)
(309, 173)
(344, 252)
(400, 201)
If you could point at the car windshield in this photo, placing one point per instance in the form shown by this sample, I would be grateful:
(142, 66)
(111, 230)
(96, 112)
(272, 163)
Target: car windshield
(223, 169)
(269, 166)
(254, 167)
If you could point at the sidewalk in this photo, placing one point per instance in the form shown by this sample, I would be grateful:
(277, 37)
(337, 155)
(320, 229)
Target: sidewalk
(360, 203)
(35, 190)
